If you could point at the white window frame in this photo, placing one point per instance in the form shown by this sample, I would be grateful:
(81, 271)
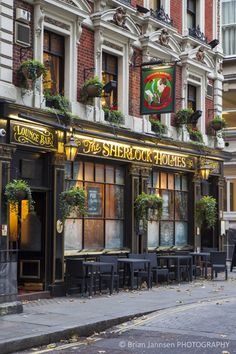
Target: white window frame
(200, 16)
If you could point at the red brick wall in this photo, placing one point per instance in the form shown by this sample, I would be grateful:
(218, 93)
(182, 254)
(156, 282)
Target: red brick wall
(134, 89)
(209, 107)
(178, 92)
(208, 19)
(137, 2)
(176, 14)
(20, 53)
(85, 56)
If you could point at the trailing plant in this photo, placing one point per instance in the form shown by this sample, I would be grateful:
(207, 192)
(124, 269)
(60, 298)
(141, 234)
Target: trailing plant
(182, 117)
(206, 211)
(114, 116)
(29, 71)
(148, 201)
(59, 105)
(158, 127)
(217, 123)
(72, 200)
(195, 135)
(91, 88)
(16, 191)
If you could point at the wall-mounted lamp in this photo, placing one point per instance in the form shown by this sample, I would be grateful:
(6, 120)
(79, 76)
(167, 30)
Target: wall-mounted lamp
(204, 169)
(71, 149)
(214, 43)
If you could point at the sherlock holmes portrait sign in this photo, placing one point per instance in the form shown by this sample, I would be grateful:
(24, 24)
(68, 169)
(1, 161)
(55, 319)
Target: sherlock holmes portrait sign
(157, 90)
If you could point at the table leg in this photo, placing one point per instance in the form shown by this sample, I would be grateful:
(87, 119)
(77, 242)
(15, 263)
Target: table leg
(206, 268)
(112, 279)
(149, 276)
(191, 269)
(178, 270)
(131, 276)
(91, 282)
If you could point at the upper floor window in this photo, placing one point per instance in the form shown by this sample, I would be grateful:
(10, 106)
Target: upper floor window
(53, 57)
(109, 78)
(229, 26)
(154, 4)
(192, 97)
(191, 13)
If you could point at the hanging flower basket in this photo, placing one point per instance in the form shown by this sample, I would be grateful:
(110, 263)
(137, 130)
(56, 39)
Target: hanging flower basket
(16, 191)
(148, 207)
(72, 201)
(91, 88)
(218, 123)
(94, 90)
(29, 71)
(206, 211)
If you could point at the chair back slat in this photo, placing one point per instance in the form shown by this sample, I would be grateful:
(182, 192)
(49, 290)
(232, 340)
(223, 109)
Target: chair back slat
(152, 257)
(218, 258)
(108, 259)
(75, 268)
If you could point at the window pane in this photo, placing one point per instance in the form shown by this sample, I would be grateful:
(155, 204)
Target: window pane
(181, 206)
(167, 233)
(168, 205)
(170, 181)
(94, 199)
(73, 234)
(177, 182)
(99, 173)
(78, 170)
(120, 175)
(89, 171)
(114, 234)
(153, 234)
(181, 233)
(93, 233)
(57, 44)
(67, 170)
(155, 180)
(109, 174)
(184, 183)
(192, 5)
(114, 202)
(164, 180)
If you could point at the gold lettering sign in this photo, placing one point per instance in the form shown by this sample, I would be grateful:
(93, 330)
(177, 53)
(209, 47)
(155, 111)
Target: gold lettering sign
(37, 136)
(110, 149)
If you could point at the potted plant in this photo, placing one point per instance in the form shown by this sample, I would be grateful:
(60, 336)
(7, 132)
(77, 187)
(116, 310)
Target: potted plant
(113, 116)
(91, 88)
(72, 200)
(158, 127)
(57, 101)
(16, 191)
(206, 211)
(217, 123)
(143, 203)
(29, 71)
(195, 135)
(182, 117)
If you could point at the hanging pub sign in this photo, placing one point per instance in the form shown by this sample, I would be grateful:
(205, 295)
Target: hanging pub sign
(158, 90)
(32, 135)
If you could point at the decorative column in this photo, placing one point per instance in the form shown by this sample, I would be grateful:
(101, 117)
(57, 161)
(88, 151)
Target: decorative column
(197, 196)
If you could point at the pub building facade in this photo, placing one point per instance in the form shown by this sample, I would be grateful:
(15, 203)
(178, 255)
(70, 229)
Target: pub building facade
(111, 39)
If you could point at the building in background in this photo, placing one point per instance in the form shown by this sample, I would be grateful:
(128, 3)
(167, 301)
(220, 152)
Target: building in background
(229, 105)
(77, 40)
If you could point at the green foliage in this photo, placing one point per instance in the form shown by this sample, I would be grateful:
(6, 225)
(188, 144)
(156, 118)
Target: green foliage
(195, 135)
(72, 201)
(113, 116)
(158, 127)
(59, 104)
(206, 211)
(182, 117)
(148, 201)
(30, 70)
(218, 121)
(93, 84)
(14, 191)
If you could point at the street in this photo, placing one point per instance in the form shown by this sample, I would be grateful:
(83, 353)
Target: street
(204, 326)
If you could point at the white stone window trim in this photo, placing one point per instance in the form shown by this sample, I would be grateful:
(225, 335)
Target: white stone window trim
(200, 16)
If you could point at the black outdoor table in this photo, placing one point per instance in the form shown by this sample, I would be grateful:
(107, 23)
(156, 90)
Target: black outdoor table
(205, 256)
(91, 265)
(178, 258)
(131, 262)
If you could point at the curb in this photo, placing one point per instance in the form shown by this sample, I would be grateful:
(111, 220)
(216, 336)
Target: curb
(23, 343)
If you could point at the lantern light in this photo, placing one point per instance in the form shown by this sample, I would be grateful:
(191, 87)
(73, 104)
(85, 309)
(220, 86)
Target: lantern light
(71, 149)
(204, 169)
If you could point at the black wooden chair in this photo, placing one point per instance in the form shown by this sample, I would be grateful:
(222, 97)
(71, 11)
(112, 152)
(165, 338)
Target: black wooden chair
(157, 271)
(105, 275)
(75, 276)
(218, 264)
(140, 269)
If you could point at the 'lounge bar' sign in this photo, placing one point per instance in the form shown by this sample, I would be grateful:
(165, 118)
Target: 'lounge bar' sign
(33, 135)
(110, 149)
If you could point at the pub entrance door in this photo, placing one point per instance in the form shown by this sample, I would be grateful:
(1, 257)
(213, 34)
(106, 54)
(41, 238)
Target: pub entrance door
(32, 244)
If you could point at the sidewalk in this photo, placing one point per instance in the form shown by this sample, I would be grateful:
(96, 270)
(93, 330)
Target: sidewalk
(49, 320)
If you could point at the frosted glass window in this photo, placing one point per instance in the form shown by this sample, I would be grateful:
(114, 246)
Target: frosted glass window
(120, 176)
(177, 182)
(167, 233)
(114, 202)
(78, 170)
(73, 234)
(89, 171)
(184, 183)
(109, 174)
(181, 233)
(155, 180)
(163, 180)
(153, 234)
(170, 181)
(99, 173)
(93, 233)
(114, 233)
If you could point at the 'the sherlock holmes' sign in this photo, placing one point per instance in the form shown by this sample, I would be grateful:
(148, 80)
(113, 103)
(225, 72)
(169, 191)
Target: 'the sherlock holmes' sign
(110, 149)
(157, 90)
(33, 135)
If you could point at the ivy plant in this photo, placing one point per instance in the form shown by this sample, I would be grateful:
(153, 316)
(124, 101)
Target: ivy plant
(206, 211)
(73, 201)
(148, 201)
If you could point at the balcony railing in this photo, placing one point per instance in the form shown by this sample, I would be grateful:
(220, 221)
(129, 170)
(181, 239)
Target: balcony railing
(162, 16)
(196, 33)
